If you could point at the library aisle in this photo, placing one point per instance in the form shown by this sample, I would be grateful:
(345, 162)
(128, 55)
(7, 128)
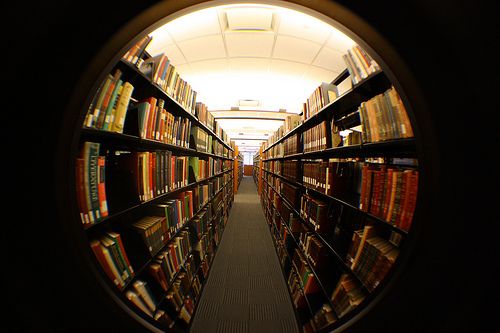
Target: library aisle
(245, 291)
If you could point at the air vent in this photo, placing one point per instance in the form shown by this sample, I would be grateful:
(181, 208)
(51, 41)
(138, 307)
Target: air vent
(249, 19)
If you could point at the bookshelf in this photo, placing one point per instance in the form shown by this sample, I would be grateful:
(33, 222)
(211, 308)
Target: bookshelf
(154, 185)
(256, 171)
(339, 191)
(239, 167)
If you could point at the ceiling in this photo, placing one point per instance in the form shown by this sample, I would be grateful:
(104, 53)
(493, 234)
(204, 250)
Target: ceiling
(252, 57)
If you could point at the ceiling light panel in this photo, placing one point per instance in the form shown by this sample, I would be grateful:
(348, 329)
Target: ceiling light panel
(249, 19)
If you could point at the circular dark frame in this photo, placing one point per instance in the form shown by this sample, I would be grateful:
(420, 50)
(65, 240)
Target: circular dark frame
(338, 16)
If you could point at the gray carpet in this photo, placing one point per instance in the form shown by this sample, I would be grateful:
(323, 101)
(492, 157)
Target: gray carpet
(245, 291)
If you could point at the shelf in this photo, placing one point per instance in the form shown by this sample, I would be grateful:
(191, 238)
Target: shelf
(374, 84)
(186, 224)
(311, 267)
(339, 259)
(106, 220)
(292, 266)
(373, 217)
(126, 140)
(396, 147)
(126, 66)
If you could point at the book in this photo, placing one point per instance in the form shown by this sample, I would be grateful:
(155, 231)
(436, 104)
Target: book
(137, 301)
(104, 259)
(111, 107)
(101, 186)
(90, 155)
(142, 289)
(121, 108)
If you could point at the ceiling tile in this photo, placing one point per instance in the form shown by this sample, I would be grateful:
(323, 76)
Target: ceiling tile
(295, 49)
(296, 24)
(201, 23)
(330, 59)
(248, 65)
(215, 67)
(318, 75)
(160, 39)
(284, 67)
(250, 44)
(339, 41)
(172, 52)
(209, 47)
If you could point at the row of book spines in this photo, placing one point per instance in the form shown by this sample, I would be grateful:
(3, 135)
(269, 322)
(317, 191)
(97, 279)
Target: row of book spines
(323, 95)
(304, 272)
(315, 138)
(204, 116)
(90, 181)
(291, 170)
(156, 123)
(389, 193)
(111, 255)
(291, 145)
(331, 177)
(324, 317)
(201, 222)
(159, 172)
(384, 117)
(313, 248)
(181, 294)
(155, 175)
(346, 296)
(170, 261)
(290, 122)
(371, 256)
(171, 215)
(136, 51)
(180, 297)
(359, 64)
(109, 106)
(165, 74)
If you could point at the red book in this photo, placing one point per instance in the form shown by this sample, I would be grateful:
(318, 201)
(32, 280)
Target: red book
(405, 194)
(364, 176)
(157, 273)
(151, 117)
(97, 249)
(174, 257)
(101, 186)
(80, 187)
(412, 201)
(388, 191)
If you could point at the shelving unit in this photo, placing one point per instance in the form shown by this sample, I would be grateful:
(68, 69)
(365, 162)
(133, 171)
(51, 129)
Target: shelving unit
(295, 174)
(189, 193)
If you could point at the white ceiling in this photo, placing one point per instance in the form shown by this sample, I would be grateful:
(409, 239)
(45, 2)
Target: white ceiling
(279, 65)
